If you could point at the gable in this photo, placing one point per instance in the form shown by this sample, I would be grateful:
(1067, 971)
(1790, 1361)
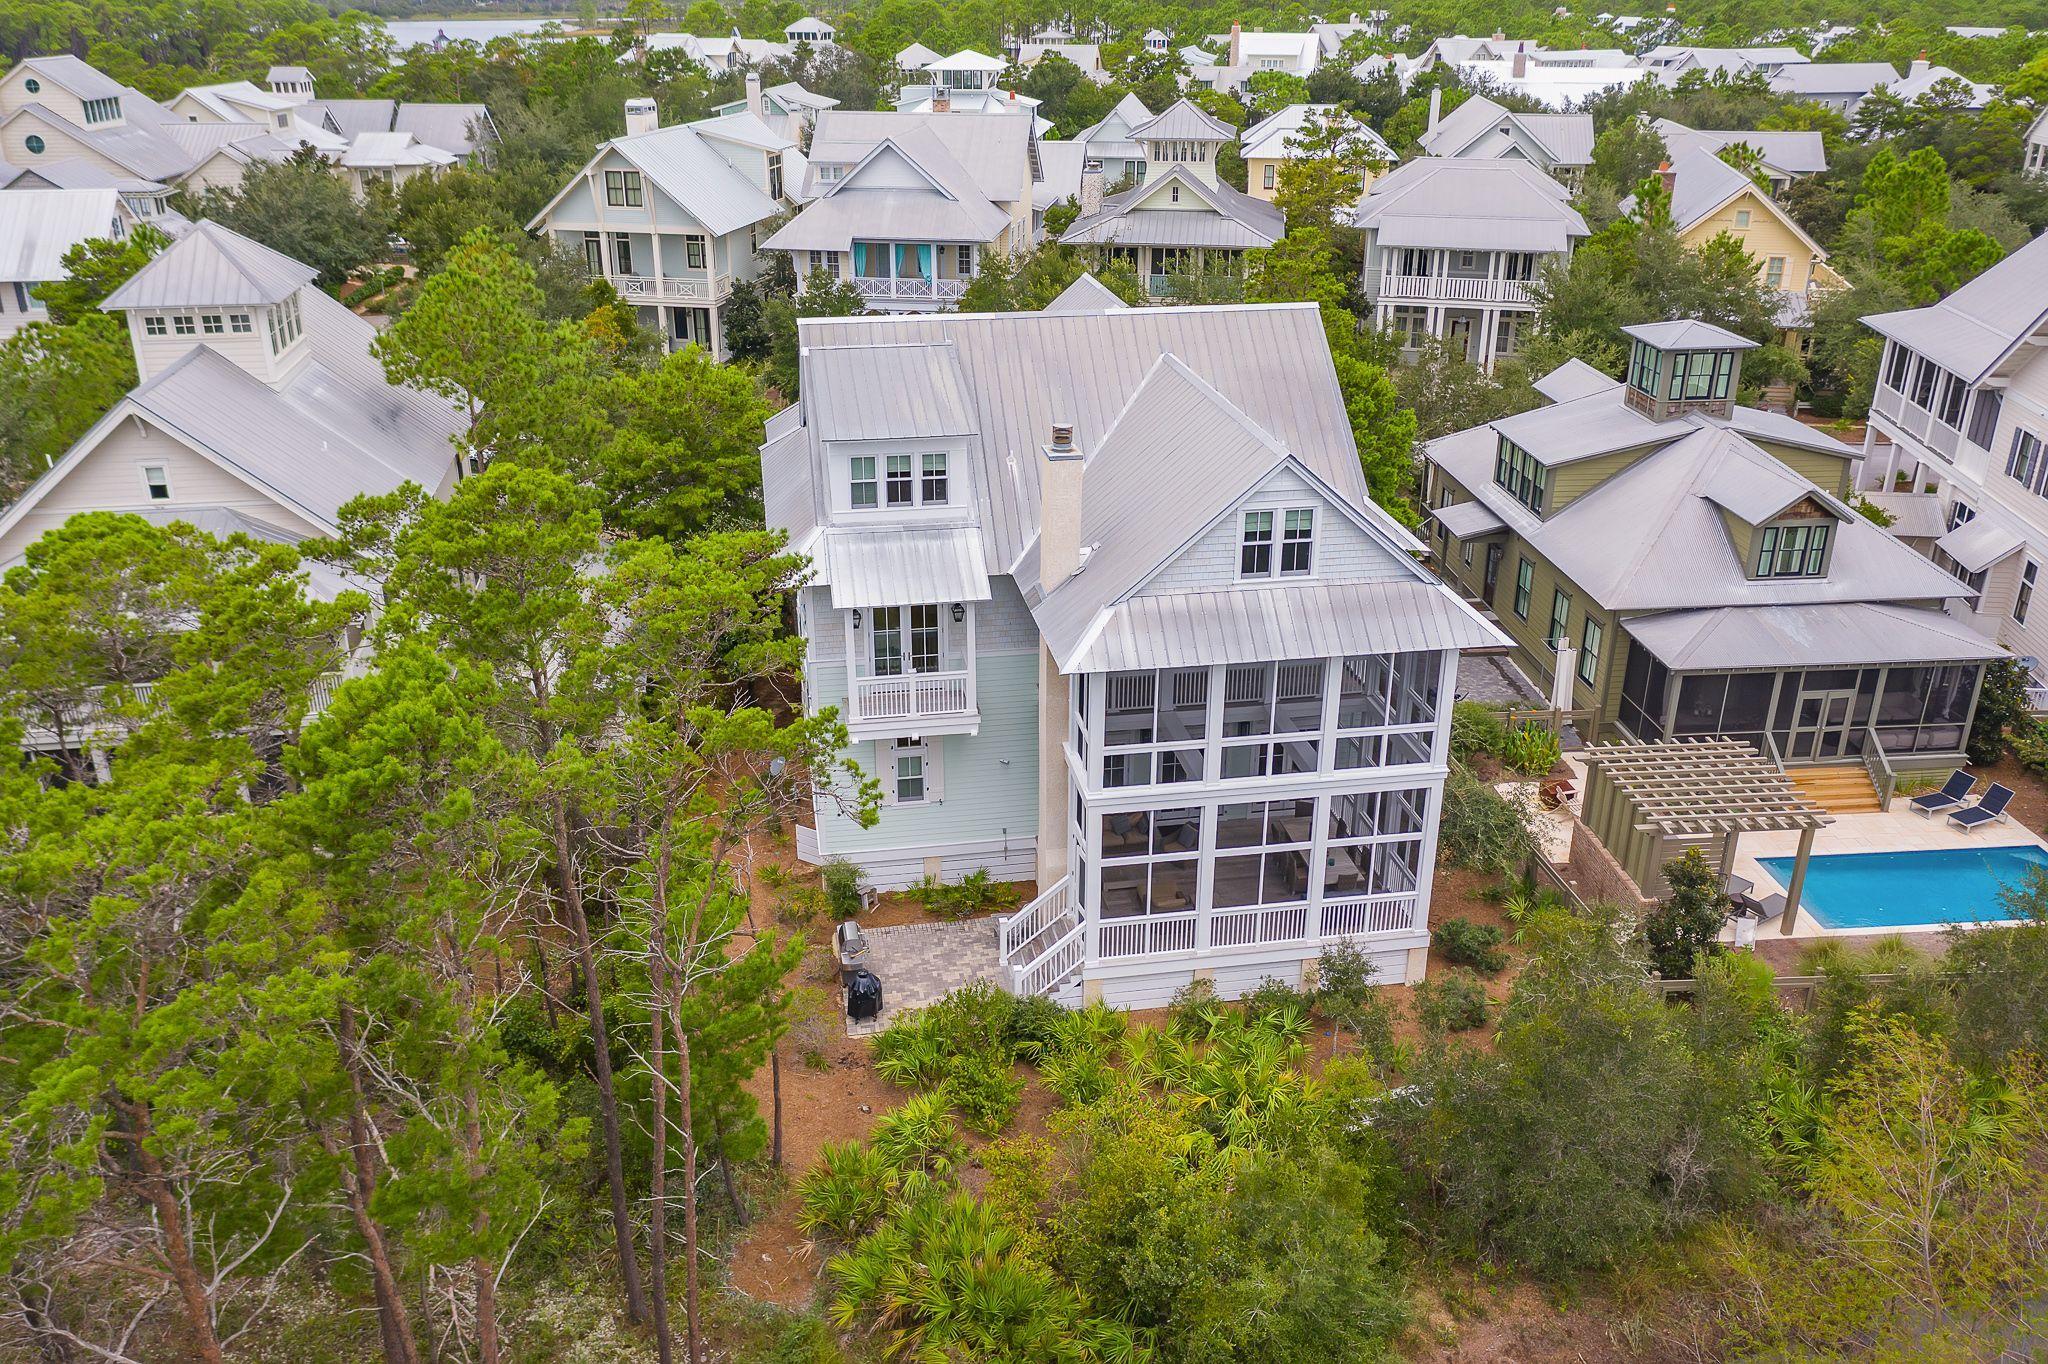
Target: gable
(1345, 551)
(888, 168)
(1160, 196)
(58, 144)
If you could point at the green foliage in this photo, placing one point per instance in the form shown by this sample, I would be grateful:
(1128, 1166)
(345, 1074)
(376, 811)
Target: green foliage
(1476, 728)
(847, 1192)
(2001, 709)
(1999, 976)
(303, 207)
(842, 882)
(1683, 927)
(1481, 829)
(1346, 997)
(1027, 282)
(1450, 1003)
(973, 894)
(1466, 943)
(1530, 749)
(961, 1046)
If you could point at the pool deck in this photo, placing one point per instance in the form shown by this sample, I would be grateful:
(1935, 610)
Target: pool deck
(1894, 830)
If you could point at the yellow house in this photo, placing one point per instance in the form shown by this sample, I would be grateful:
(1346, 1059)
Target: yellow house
(1710, 197)
(1271, 142)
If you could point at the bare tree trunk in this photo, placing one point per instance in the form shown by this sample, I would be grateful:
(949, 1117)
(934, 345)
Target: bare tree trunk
(695, 1345)
(657, 1228)
(775, 1093)
(481, 1269)
(607, 1097)
(360, 1177)
(156, 1190)
(732, 1190)
(34, 1301)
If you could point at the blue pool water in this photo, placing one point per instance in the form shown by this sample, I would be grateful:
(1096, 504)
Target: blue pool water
(1901, 889)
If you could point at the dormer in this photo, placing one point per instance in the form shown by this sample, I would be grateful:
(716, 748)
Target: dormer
(218, 289)
(68, 88)
(1185, 135)
(897, 454)
(1675, 368)
(1797, 542)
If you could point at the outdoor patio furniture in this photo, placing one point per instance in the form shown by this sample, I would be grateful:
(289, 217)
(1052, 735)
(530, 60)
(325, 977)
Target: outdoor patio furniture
(1952, 794)
(1738, 887)
(1769, 908)
(1985, 811)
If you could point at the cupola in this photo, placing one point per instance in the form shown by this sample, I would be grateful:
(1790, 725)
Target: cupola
(1675, 368)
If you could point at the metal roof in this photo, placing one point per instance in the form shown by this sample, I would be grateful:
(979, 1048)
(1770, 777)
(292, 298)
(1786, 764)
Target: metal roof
(37, 226)
(697, 179)
(915, 57)
(1834, 634)
(1583, 428)
(351, 117)
(1978, 325)
(875, 567)
(830, 223)
(1470, 204)
(1915, 516)
(393, 149)
(1468, 519)
(78, 76)
(1565, 139)
(1574, 379)
(288, 73)
(923, 377)
(1086, 294)
(993, 149)
(1833, 78)
(1793, 152)
(1192, 629)
(212, 264)
(143, 145)
(456, 128)
(1235, 219)
(1280, 134)
(1688, 334)
(1980, 542)
(967, 59)
(1184, 119)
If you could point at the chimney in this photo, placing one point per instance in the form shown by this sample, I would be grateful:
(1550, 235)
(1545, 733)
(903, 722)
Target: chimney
(1667, 177)
(1520, 68)
(1059, 508)
(942, 100)
(1436, 106)
(1236, 43)
(1499, 37)
(754, 94)
(1919, 66)
(1091, 187)
(641, 116)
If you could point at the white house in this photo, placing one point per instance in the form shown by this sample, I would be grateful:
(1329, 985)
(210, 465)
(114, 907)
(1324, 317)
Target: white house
(142, 201)
(809, 29)
(1923, 78)
(1086, 56)
(259, 409)
(1672, 60)
(2036, 162)
(1103, 601)
(246, 102)
(1452, 245)
(1961, 408)
(1557, 144)
(671, 216)
(36, 228)
(1109, 144)
(788, 109)
(914, 59)
(1840, 86)
(1181, 218)
(1278, 138)
(1784, 156)
(904, 206)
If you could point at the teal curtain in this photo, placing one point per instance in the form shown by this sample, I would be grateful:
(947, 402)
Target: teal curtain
(860, 258)
(913, 261)
(924, 261)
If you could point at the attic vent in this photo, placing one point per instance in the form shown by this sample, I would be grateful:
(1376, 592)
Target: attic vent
(1062, 436)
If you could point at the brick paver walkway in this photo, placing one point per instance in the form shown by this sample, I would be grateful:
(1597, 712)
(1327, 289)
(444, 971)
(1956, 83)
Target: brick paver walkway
(919, 963)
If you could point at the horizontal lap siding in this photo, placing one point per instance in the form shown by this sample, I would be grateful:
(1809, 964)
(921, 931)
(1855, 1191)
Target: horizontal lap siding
(1344, 553)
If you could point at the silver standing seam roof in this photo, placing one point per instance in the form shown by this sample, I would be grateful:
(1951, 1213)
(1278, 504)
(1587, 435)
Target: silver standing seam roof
(1846, 634)
(1086, 294)
(1236, 220)
(1978, 326)
(1184, 119)
(1794, 152)
(212, 265)
(870, 567)
(1470, 204)
(37, 226)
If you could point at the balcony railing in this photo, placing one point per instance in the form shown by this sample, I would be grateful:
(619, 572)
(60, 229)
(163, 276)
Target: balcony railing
(1142, 935)
(1913, 420)
(1397, 287)
(909, 289)
(671, 288)
(913, 696)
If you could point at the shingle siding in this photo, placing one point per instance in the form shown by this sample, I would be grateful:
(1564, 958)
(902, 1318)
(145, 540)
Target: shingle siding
(1344, 553)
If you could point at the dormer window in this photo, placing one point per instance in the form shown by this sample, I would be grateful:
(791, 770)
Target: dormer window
(1517, 471)
(154, 326)
(1795, 551)
(103, 110)
(284, 324)
(899, 481)
(1297, 530)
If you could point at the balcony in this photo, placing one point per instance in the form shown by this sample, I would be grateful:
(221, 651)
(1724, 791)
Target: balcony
(913, 289)
(1395, 287)
(1145, 935)
(913, 703)
(1909, 419)
(671, 288)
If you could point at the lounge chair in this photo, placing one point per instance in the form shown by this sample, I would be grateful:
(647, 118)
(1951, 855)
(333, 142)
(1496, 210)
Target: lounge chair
(1985, 811)
(1951, 796)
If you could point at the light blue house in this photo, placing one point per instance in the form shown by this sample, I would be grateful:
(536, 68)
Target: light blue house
(1103, 602)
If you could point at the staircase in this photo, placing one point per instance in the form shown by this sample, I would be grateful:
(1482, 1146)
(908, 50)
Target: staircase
(1043, 945)
(1840, 788)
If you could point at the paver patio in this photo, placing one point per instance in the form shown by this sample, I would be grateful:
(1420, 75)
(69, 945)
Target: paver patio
(921, 963)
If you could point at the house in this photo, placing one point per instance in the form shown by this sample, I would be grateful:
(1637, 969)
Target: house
(389, 159)
(259, 407)
(670, 216)
(1840, 86)
(1784, 156)
(1330, 37)
(1457, 49)
(788, 109)
(1103, 602)
(1673, 60)
(964, 70)
(1086, 56)
(939, 99)
(243, 102)
(59, 109)
(2036, 162)
(1961, 411)
(1452, 244)
(464, 130)
(1699, 561)
(809, 29)
(1181, 219)
(142, 201)
(734, 53)
(904, 206)
(1276, 139)
(1923, 80)
(1559, 80)
(1556, 144)
(1710, 198)
(1157, 41)
(912, 60)
(37, 226)
(294, 82)
(1244, 55)
(1107, 144)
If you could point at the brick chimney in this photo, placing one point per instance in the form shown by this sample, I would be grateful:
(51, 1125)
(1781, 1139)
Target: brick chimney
(641, 116)
(1667, 177)
(1520, 67)
(1236, 44)
(1091, 187)
(1059, 507)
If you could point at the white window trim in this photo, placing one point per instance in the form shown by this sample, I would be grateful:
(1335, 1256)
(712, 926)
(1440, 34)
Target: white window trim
(148, 491)
(887, 751)
(1274, 572)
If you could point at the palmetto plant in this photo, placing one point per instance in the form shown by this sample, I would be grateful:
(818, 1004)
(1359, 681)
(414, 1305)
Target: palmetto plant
(847, 1192)
(920, 1136)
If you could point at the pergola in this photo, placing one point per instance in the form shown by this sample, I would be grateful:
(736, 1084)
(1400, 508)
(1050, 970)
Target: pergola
(1649, 802)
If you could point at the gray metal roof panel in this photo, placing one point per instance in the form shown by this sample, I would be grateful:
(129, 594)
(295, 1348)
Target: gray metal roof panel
(457, 128)
(1574, 379)
(1238, 219)
(1816, 634)
(832, 222)
(994, 149)
(142, 146)
(1086, 294)
(1470, 203)
(1793, 152)
(696, 178)
(1583, 428)
(886, 392)
(1975, 327)
(1277, 135)
(1915, 516)
(351, 117)
(1467, 519)
(1980, 542)
(78, 76)
(37, 226)
(1833, 78)
(1184, 119)
(1567, 137)
(1688, 334)
(212, 264)
(888, 566)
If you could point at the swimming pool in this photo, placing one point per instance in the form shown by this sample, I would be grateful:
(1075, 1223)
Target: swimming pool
(1901, 889)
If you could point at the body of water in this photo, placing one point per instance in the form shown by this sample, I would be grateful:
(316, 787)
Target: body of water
(407, 32)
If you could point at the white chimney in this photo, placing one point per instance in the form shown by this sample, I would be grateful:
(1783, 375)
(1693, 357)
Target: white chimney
(1091, 187)
(641, 116)
(1059, 508)
(754, 94)
(1436, 106)
(1919, 67)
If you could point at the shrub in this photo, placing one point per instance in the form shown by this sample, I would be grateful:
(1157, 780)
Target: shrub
(1195, 1010)
(919, 1136)
(847, 1192)
(1469, 944)
(1482, 829)
(1531, 750)
(1345, 995)
(2001, 707)
(1476, 728)
(1999, 975)
(1451, 1003)
(842, 888)
(1278, 1005)
(961, 1046)
(975, 893)
(2030, 745)
(981, 1086)
(1682, 928)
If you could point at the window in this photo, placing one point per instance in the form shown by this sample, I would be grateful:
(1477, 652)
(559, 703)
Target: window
(932, 492)
(1525, 577)
(863, 484)
(1895, 363)
(1984, 417)
(693, 253)
(1589, 650)
(896, 480)
(2025, 596)
(32, 85)
(911, 778)
(1953, 393)
(817, 260)
(182, 325)
(239, 324)
(1923, 384)
(1268, 843)
(284, 324)
(1701, 375)
(156, 481)
(1742, 218)
(963, 258)
(924, 638)
(102, 110)
(2024, 464)
(1267, 699)
(213, 324)
(1154, 725)
(153, 326)
(1373, 843)
(885, 641)
(34, 143)
(830, 174)
(622, 189)
(1255, 556)
(1774, 272)
(1173, 193)
(1645, 365)
(622, 254)
(1516, 470)
(1791, 551)
(1271, 176)
(1560, 615)
(1297, 540)
(775, 175)
(1386, 709)
(1151, 861)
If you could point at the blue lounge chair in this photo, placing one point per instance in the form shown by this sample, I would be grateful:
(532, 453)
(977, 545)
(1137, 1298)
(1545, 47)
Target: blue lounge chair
(1952, 794)
(1985, 811)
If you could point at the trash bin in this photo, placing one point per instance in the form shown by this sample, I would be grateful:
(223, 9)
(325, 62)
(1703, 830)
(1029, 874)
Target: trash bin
(863, 996)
